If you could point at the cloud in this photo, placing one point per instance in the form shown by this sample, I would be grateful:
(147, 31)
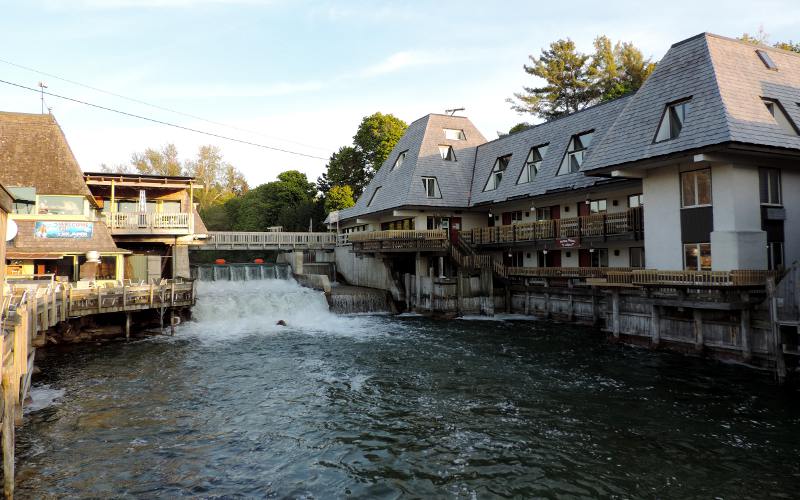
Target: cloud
(147, 4)
(402, 60)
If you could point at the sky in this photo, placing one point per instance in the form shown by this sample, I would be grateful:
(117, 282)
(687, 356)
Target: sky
(299, 75)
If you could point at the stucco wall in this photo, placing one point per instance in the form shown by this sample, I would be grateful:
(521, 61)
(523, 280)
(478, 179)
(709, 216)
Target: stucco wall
(662, 224)
(365, 271)
(791, 226)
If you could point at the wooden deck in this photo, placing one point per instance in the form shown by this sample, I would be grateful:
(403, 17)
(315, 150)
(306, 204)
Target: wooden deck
(278, 240)
(30, 309)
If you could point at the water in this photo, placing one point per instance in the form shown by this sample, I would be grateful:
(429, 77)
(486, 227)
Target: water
(235, 406)
(239, 272)
(353, 299)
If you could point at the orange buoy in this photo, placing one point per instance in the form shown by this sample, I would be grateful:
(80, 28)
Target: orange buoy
(258, 261)
(219, 261)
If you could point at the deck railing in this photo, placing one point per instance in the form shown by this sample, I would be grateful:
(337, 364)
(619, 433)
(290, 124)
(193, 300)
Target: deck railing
(586, 226)
(245, 240)
(402, 234)
(144, 222)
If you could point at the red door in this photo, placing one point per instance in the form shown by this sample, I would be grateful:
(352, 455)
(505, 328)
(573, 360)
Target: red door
(455, 227)
(555, 258)
(583, 209)
(584, 258)
(555, 212)
(506, 218)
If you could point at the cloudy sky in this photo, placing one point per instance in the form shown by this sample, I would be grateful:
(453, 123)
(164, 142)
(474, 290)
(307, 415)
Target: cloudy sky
(300, 74)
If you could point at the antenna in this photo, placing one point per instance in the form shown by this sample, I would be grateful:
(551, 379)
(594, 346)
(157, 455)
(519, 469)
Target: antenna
(453, 111)
(42, 86)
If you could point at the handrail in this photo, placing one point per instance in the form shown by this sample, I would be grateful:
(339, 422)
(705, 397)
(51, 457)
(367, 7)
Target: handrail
(402, 234)
(253, 238)
(146, 220)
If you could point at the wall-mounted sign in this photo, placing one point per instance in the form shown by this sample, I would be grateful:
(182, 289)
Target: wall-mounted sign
(61, 229)
(568, 242)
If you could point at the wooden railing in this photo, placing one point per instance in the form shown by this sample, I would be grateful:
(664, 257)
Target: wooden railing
(429, 234)
(265, 240)
(587, 226)
(701, 279)
(566, 272)
(144, 222)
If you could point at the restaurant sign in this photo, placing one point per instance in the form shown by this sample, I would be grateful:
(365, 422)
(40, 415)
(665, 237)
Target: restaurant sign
(568, 242)
(60, 229)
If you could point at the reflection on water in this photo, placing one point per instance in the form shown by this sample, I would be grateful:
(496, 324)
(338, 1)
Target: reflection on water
(381, 406)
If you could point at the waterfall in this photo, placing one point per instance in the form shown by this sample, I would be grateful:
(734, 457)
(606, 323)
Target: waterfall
(239, 272)
(352, 299)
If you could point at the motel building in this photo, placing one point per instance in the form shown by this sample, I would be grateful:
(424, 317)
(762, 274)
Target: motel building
(54, 213)
(693, 172)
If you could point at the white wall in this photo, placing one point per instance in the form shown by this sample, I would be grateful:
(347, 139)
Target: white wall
(791, 226)
(662, 223)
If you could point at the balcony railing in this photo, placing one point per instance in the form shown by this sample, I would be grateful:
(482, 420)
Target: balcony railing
(587, 226)
(147, 222)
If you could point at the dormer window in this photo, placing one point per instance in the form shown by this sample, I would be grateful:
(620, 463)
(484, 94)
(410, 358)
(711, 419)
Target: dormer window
(400, 159)
(500, 166)
(447, 154)
(531, 168)
(672, 121)
(372, 198)
(575, 153)
(453, 134)
(779, 115)
(766, 59)
(431, 187)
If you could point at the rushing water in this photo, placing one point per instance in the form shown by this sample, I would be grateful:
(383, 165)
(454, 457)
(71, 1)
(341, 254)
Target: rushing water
(381, 407)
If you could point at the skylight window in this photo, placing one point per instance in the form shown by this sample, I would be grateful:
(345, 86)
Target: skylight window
(779, 114)
(372, 198)
(531, 168)
(447, 153)
(454, 134)
(400, 159)
(431, 187)
(672, 121)
(575, 153)
(766, 59)
(500, 166)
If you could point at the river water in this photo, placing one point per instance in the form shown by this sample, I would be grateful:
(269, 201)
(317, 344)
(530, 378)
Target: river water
(235, 406)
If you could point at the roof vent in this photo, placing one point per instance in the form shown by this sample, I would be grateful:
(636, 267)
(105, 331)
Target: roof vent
(766, 59)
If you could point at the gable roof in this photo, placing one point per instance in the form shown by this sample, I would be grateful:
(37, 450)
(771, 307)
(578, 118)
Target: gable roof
(403, 186)
(34, 152)
(725, 80)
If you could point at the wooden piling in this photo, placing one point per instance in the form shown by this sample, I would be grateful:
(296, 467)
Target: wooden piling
(699, 339)
(775, 344)
(127, 326)
(655, 325)
(744, 332)
(615, 322)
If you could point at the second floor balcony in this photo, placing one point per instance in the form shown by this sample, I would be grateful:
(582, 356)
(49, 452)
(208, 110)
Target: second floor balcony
(148, 223)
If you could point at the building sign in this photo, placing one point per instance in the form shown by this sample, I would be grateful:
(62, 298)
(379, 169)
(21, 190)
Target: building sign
(568, 242)
(60, 229)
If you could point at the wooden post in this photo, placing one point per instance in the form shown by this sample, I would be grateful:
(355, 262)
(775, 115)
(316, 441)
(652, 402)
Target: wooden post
(152, 290)
(595, 311)
(172, 322)
(508, 299)
(744, 332)
(776, 346)
(99, 299)
(127, 326)
(8, 435)
(459, 291)
(571, 307)
(615, 313)
(547, 305)
(698, 329)
(655, 325)
(527, 301)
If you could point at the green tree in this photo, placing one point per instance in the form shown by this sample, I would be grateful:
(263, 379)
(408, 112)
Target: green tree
(217, 180)
(762, 38)
(567, 87)
(338, 198)
(119, 168)
(375, 138)
(289, 201)
(346, 167)
(158, 162)
(617, 70)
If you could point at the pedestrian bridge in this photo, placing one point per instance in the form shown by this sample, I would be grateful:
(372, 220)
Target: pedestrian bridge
(274, 240)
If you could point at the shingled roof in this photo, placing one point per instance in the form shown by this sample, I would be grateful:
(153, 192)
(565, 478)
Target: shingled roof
(34, 152)
(26, 243)
(726, 81)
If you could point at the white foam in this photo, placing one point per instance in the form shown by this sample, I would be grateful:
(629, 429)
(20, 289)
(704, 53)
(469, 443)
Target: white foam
(43, 396)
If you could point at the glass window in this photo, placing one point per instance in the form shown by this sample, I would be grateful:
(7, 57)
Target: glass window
(447, 153)
(637, 257)
(516, 216)
(672, 121)
(372, 198)
(431, 187)
(599, 257)
(766, 59)
(171, 207)
(400, 159)
(697, 256)
(543, 213)
(777, 112)
(60, 205)
(635, 201)
(769, 180)
(775, 254)
(696, 188)
(532, 164)
(454, 134)
(597, 206)
(575, 153)
(500, 166)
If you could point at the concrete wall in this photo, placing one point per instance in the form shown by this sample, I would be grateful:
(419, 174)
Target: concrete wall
(365, 271)
(737, 241)
(662, 223)
(180, 261)
(791, 202)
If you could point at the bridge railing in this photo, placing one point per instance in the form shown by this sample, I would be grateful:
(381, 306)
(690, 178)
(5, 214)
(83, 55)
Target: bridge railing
(280, 239)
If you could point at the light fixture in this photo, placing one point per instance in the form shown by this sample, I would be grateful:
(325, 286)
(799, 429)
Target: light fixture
(544, 251)
(591, 250)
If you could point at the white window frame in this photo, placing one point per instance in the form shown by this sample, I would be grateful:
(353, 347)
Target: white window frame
(496, 175)
(401, 158)
(530, 169)
(426, 181)
(778, 113)
(696, 190)
(574, 152)
(447, 153)
(459, 134)
(674, 112)
(699, 256)
(769, 172)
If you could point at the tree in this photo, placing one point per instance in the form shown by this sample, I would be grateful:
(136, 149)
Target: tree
(346, 167)
(339, 197)
(158, 162)
(617, 70)
(376, 137)
(574, 80)
(119, 168)
(567, 86)
(762, 38)
(218, 180)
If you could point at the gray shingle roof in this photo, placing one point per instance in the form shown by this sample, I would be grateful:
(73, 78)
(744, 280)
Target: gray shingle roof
(725, 79)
